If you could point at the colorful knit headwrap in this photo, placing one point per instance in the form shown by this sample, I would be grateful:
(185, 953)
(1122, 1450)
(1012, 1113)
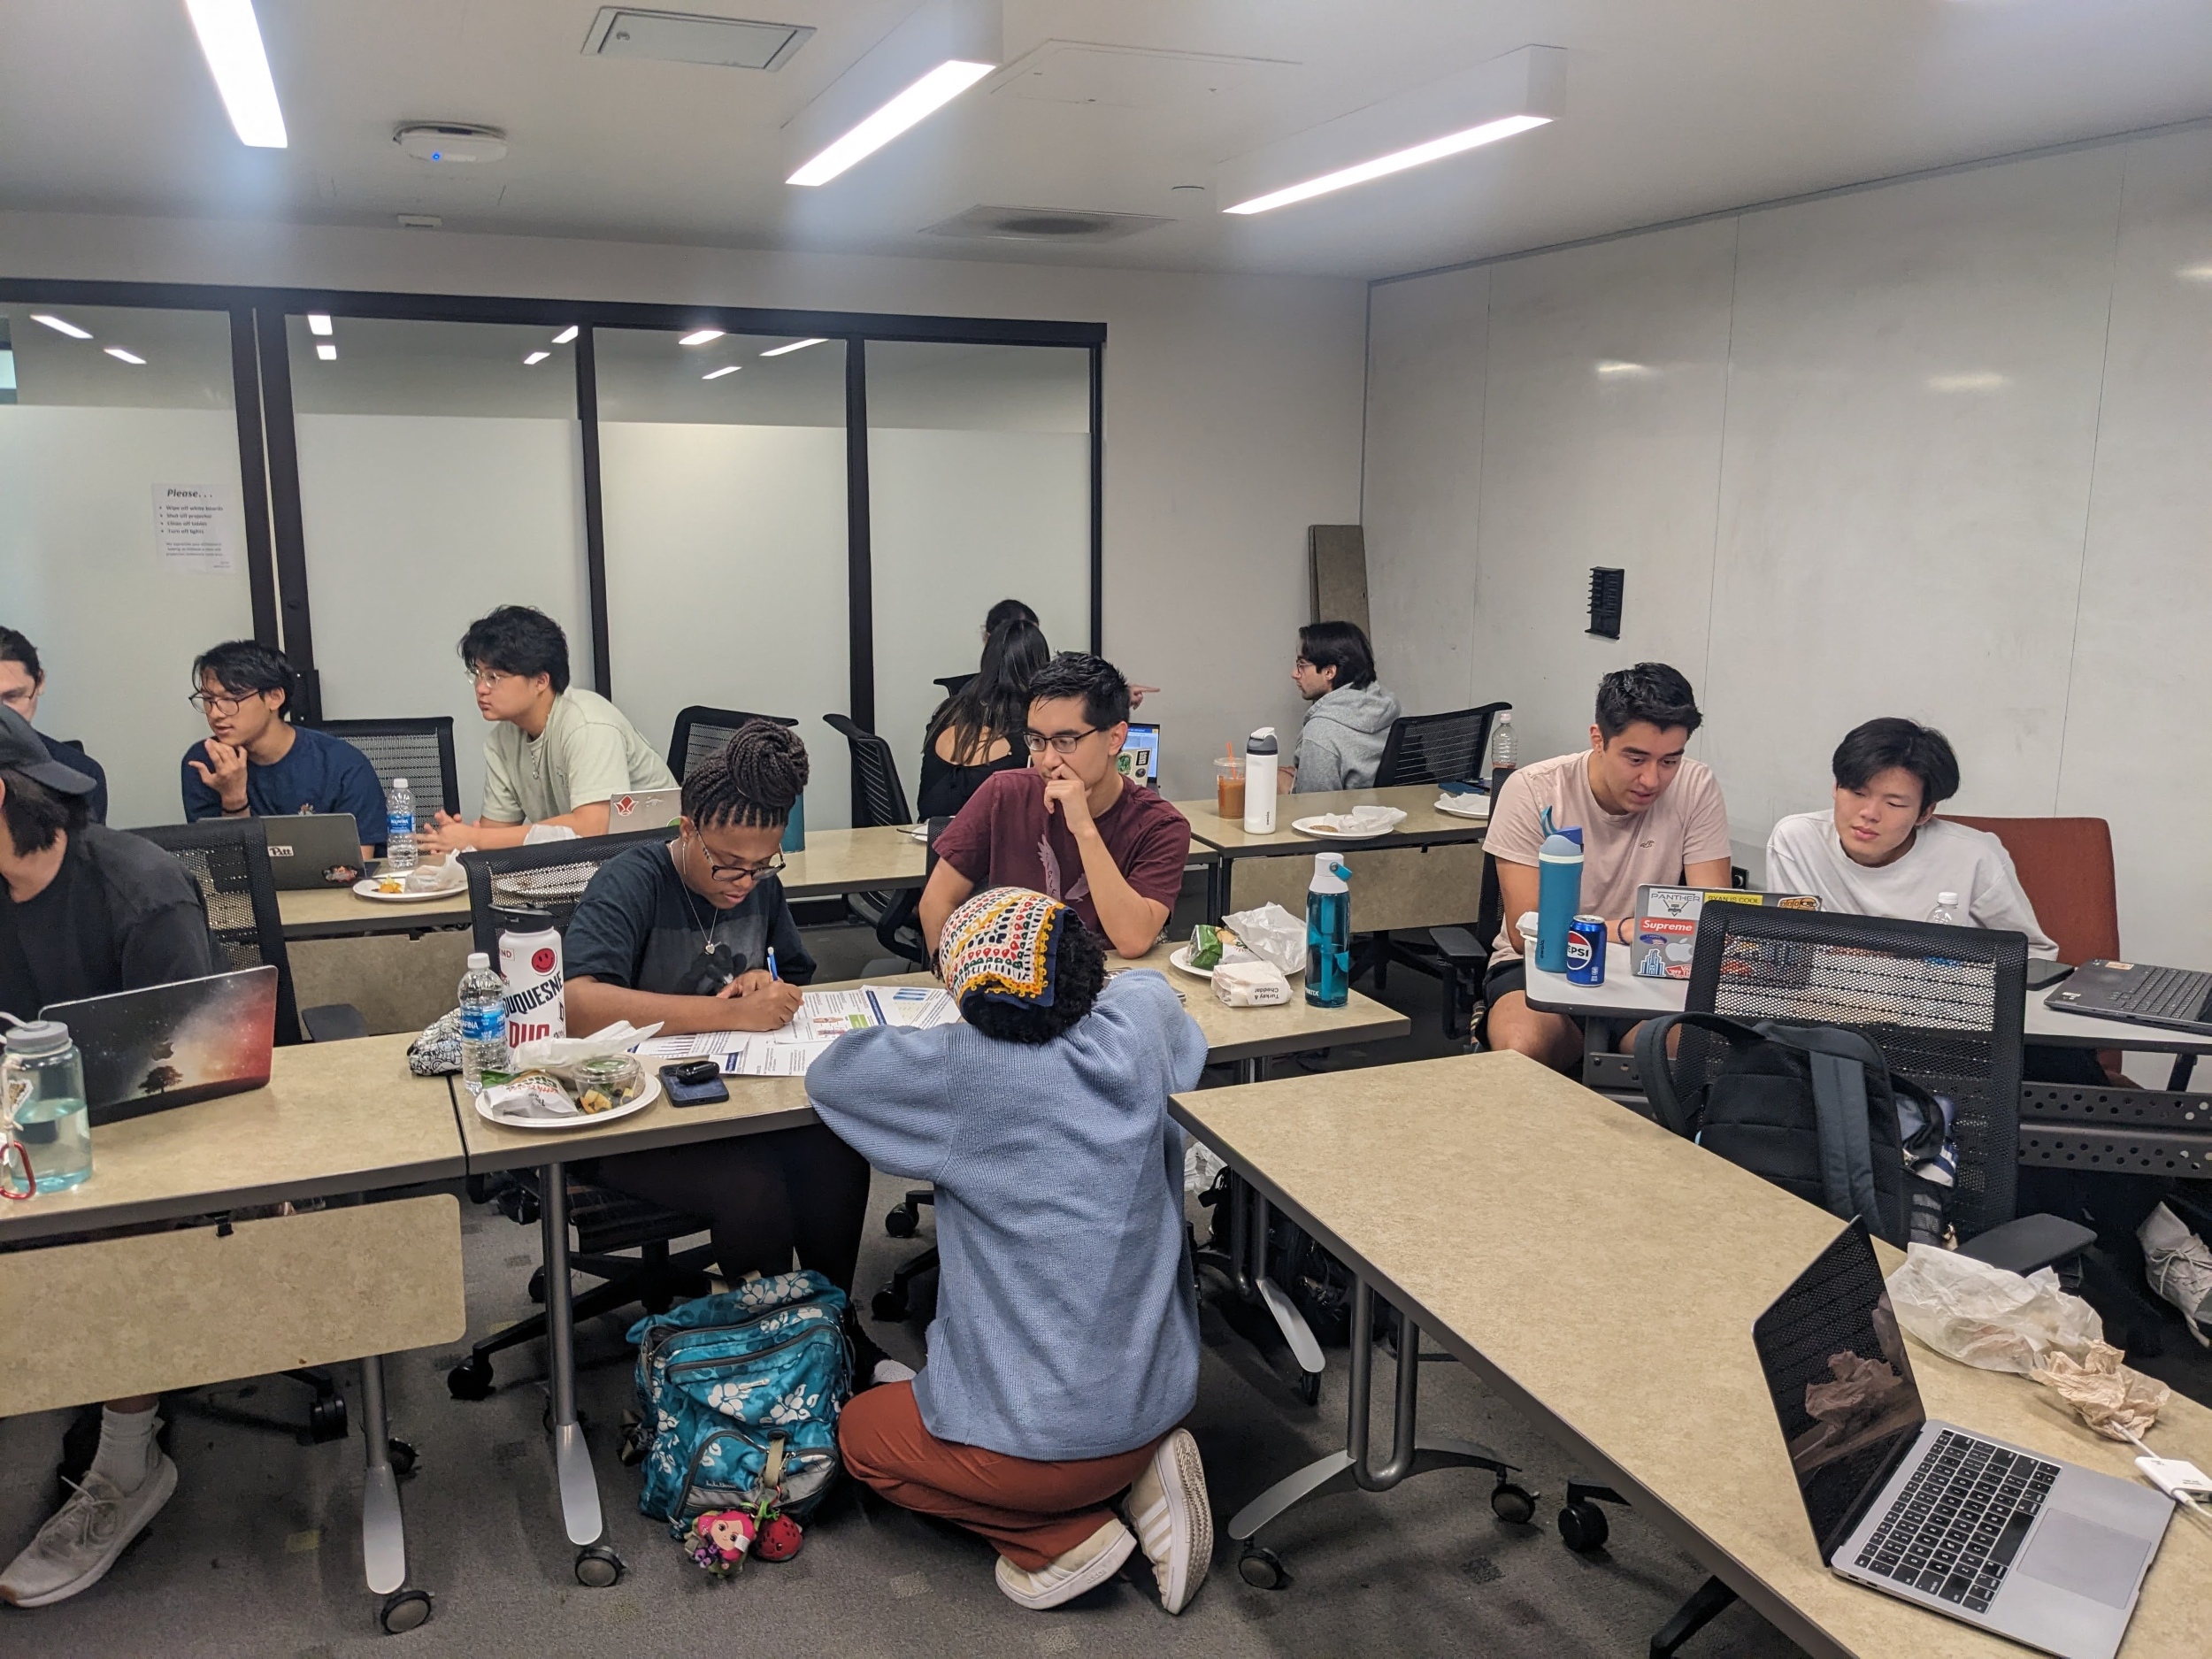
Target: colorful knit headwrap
(1001, 945)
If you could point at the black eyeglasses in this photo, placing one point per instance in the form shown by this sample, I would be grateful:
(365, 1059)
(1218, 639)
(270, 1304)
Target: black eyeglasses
(212, 704)
(738, 872)
(1063, 742)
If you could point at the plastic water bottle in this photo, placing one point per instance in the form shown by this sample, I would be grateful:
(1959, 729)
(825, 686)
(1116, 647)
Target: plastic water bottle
(483, 1021)
(1946, 913)
(1504, 756)
(41, 1086)
(399, 827)
(1329, 933)
(1558, 894)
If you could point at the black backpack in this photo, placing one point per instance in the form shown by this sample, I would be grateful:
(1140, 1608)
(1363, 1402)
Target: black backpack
(1812, 1109)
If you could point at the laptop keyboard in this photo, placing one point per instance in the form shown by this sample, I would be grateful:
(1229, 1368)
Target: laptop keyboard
(2166, 993)
(1955, 1529)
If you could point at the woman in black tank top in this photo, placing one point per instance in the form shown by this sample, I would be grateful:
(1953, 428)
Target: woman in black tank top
(978, 730)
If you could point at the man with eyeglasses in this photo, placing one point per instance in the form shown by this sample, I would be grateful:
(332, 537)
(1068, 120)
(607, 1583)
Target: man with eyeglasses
(22, 682)
(557, 754)
(1070, 826)
(255, 763)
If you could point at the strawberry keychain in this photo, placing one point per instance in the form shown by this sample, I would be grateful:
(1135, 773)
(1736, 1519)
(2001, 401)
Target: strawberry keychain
(720, 1539)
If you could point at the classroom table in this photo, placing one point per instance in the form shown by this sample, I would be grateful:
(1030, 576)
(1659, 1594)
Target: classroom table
(193, 1304)
(757, 1105)
(1426, 872)
(339, 913)
(1602, 1275)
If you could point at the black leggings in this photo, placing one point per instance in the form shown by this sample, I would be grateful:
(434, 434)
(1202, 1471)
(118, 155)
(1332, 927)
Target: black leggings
(765, 1196)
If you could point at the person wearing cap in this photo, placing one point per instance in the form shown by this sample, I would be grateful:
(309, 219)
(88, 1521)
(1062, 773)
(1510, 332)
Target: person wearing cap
(85, 910)
(22, 683)
(1064, 1353)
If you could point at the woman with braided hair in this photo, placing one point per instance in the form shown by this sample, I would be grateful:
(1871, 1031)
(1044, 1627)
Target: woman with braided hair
(681, 932)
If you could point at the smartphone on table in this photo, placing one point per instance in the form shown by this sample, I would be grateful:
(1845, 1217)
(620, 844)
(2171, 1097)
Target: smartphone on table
(694, 1083)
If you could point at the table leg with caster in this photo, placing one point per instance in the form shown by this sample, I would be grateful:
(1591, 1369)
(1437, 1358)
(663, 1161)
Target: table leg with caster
(596, 1565)
(383, 1533)
(1354, 1466)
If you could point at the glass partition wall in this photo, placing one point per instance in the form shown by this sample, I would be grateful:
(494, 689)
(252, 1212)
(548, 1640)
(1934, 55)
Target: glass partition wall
(791, 513)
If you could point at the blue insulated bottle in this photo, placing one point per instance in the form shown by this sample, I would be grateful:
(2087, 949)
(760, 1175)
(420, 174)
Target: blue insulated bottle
(1558, 893)
(1329, 933)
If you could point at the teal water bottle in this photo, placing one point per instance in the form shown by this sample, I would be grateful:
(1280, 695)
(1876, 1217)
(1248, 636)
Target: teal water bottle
(795, 827)
(1329, 933)
(1558, 893)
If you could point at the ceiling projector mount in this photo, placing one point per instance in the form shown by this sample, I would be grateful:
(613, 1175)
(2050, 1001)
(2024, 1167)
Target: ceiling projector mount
(446, 142)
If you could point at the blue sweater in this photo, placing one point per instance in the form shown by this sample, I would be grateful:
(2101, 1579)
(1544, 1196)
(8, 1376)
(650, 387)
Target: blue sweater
(1066, 1326)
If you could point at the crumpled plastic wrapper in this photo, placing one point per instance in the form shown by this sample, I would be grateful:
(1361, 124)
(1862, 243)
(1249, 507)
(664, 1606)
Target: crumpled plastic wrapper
(437, 1052)
(561, 1052)
(1983, 1315)
(1362, 820)
(1273, 934)
(2110, 1398)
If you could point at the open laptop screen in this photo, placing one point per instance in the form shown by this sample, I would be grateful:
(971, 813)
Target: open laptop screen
(172, 1045)
(1140, 759)
(1835, 1363)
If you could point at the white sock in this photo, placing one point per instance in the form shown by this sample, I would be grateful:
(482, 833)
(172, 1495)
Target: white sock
(126, 1446)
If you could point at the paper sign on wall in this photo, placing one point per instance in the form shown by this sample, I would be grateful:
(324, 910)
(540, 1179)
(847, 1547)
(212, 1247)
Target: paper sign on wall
(195, 529)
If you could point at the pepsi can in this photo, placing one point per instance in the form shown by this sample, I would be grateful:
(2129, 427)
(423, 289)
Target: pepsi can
(1586, 950)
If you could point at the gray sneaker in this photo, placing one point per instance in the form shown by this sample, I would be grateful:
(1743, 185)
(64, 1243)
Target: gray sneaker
(2179, 1268)
(82, 1539)
(1173, 1519)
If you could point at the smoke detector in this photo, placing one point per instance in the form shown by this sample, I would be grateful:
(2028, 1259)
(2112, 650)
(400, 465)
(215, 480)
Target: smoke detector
(1043, 224)
(444, 141)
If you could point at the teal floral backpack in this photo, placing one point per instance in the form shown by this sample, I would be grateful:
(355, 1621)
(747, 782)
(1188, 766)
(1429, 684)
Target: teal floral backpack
(722, 1378)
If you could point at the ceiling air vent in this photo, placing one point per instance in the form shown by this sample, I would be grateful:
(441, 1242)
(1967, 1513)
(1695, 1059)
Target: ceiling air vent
(678, 37)
(1043, 224)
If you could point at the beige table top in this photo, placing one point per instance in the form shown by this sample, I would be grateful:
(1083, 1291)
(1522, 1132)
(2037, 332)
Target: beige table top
(854, 861)
(1605, 1275)
(335, 912)
(335, 1118)
(1424, 824)
(758, 1104)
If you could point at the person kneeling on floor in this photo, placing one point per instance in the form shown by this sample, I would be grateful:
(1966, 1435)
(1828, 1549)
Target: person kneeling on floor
(1066, 1351)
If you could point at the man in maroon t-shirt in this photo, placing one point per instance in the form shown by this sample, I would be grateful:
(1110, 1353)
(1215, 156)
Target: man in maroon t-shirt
(1070, 826)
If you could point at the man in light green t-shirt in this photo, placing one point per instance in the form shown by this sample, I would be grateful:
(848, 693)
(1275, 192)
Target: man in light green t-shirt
(557, 754)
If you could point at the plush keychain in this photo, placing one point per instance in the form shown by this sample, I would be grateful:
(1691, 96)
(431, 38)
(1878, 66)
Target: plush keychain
(720, 1539)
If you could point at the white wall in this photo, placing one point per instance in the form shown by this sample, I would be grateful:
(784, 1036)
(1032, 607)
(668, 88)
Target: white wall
(1232, 406)
(1937, 448)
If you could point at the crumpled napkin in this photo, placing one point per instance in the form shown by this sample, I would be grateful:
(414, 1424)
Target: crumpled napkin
(440, 875)
(562, 1051)
(1272, 934)
(1467, 805)
(538, 834)
(1362, 820)
(2111, 1399)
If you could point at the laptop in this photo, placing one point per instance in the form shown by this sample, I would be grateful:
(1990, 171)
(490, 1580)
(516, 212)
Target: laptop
(2048, 1554)
(314, 849)
(172, 1045)
(2179, 998)
(1666, 923)
(1140, 756)
(644, 809)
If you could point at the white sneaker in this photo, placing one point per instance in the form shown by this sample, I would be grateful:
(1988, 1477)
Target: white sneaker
(1089, 1564)
(1173, 1520)
(892, 1370)
(2179, 1267)
(82, 1539)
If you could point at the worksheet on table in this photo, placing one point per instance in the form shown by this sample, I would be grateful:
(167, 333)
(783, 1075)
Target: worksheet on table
(823, 1017)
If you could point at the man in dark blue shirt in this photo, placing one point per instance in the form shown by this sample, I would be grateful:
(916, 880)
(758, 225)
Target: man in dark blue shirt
(22, 679)
(256, 764)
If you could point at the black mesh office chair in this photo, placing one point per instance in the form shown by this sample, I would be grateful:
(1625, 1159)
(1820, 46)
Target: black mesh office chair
(701, 731)
(1448, 747)
(417, 749)
(879, 800)
(552, 877)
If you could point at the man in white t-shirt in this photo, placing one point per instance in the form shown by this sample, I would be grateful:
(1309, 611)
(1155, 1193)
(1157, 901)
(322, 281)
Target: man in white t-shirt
(1882, 851)
(1648, 814)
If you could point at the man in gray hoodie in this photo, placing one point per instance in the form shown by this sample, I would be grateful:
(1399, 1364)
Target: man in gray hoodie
(1349, 722)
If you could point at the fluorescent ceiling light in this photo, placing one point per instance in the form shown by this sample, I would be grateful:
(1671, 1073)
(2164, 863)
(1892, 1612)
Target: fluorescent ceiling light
(60, 326)
(1972, 380)
(1398, 161)
(2195, 273)
(127, 357)
(1614, 369)
(536, 357)
(328, 350)
(700, 336)
(230, 39)
(565, 336)
(716, 374)
(796, 345)
(940, 86)
(318, 323)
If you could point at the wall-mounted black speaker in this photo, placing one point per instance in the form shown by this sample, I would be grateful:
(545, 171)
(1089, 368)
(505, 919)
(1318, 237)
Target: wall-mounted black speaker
(1605, 601)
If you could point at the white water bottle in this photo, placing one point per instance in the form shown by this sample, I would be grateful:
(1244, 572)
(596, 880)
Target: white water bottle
(530, 968)
(1946, 913)
(1260, 782)
(399, 827)
(483, 998)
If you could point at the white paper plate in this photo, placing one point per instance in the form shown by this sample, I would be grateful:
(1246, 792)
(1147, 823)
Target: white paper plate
(582, 1120)
(365, 889)
(1319, 831)
(1478, 807)
(1179, 957)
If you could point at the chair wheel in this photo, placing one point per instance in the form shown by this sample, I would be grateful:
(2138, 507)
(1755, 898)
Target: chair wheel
(404, 1610)
(1308, 1388)
(1583, 1526)
(326, 1419)
(1262, 1568)
(888, 1306)
(1509, 1502)
(403, 1456)
(537, 1286)
(903, 1223)
(597, 1567)
(470, 1379)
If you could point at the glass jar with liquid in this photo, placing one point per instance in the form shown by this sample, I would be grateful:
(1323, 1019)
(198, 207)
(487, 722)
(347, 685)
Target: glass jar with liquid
(41, 1086)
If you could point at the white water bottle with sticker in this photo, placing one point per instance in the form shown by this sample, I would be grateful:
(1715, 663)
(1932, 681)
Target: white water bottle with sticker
(1260, 752)
(530, 968)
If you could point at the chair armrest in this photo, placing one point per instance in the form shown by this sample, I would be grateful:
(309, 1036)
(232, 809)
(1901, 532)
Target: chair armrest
(2023, 1245)
(1460, 948)
(333, 1022)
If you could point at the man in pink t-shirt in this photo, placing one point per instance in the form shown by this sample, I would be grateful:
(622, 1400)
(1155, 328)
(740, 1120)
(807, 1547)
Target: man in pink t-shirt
(1070, 826)
(1649, 816)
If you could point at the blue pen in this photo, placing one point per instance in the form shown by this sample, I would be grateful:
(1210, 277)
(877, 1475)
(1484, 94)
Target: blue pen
(772, 964)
